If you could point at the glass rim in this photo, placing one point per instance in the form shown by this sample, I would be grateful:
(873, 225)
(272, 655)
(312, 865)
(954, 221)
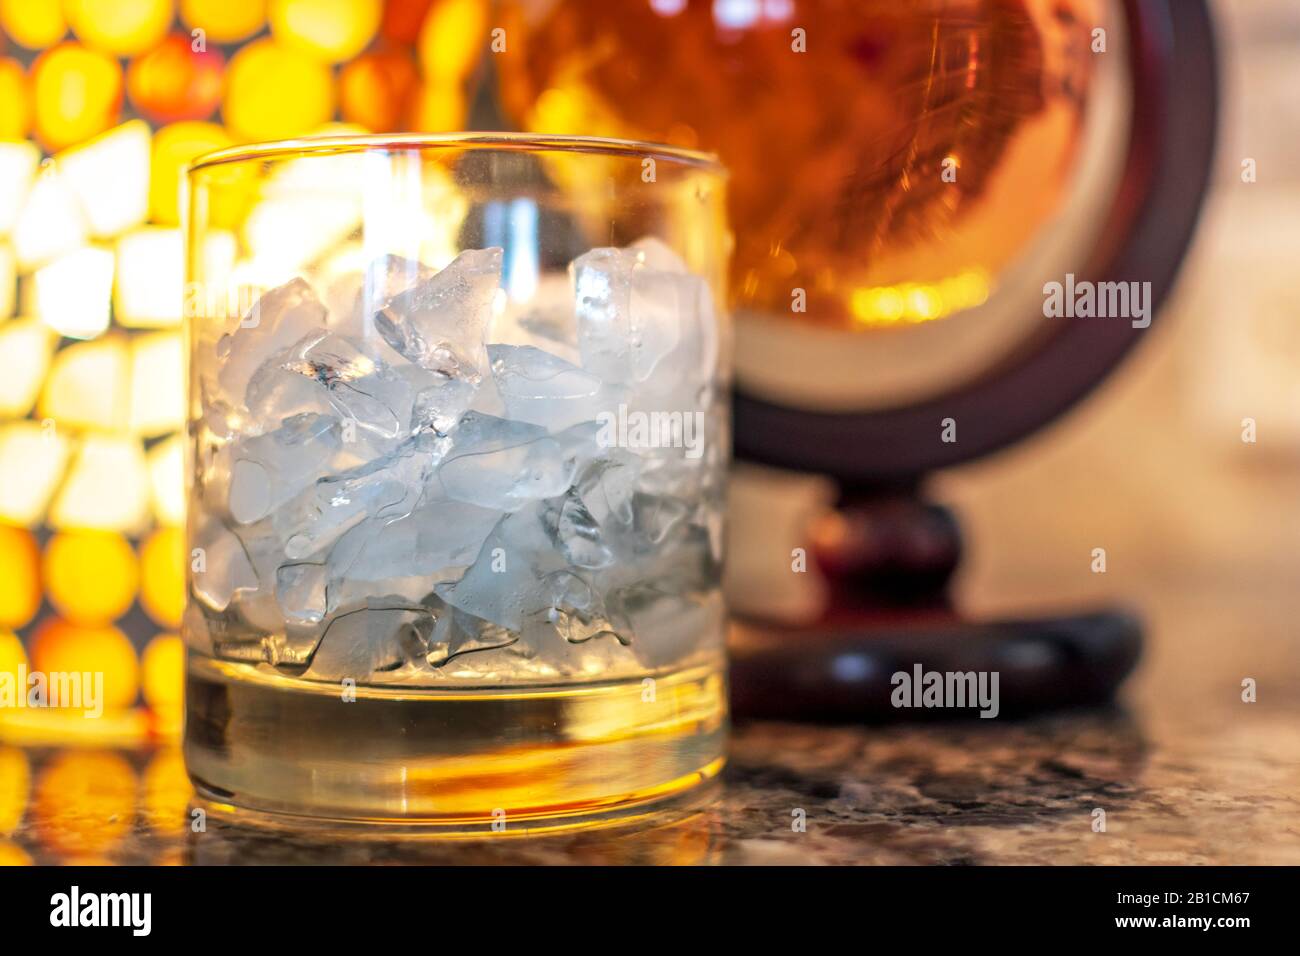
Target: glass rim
(333, 144)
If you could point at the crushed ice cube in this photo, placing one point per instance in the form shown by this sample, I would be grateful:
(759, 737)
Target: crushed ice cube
(500, 464)
(275, 322)
(441, 322)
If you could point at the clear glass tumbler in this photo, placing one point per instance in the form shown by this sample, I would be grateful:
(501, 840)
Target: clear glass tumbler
(458, 437)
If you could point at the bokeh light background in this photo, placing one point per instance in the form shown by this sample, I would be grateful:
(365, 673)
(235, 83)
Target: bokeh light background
(102, 102)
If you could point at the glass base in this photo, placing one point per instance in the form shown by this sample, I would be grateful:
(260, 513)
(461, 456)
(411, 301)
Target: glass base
(504, 760)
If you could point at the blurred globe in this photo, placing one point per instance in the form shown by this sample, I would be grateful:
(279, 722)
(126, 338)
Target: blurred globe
(890, 159)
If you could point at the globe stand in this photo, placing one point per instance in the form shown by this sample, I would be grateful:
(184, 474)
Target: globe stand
(888, 558)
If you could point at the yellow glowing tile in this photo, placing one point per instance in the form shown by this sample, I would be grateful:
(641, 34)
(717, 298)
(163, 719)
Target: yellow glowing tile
(223, 21)
(110, 178)
(32, 458)
(157, 384)
(148, 291)
(74, 291)
(8, 280)
(77, 93)
(89, 385)
(64, 647)
(162, 576)
(107, 487)
(20, 585)
(122, 27)
(173, 147)
(35, 24)
(18, 163)
(50, 223)
(167, 480)
(452, 39)
(330, 30)
(15, 100)
(303, 97)
(25, 346)
(90, 576)
(164, 673)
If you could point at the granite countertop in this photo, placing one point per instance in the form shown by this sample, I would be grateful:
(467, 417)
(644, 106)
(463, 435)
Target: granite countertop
(1185, 771)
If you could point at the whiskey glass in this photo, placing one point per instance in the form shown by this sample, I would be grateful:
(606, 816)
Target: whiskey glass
(458, 433)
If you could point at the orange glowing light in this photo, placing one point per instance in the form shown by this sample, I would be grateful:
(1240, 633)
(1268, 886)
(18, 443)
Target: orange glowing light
(15, 100)
(77, 92)
(222, 21)
(162, 582)
(274, 91)
(13, 658)
(85, 802)
(330, 30)
(62, 647)
(35, 24)
(438, 109)
(402, 20)
(375, 90)
(453, 39)
(173, 147)
(122, 27)
(174, 82)
(91, 576)
(20, 584)
(163, 669)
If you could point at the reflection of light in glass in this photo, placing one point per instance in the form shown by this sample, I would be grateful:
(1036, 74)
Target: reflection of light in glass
(167, 480)
(32, 458)
(110, 178)
(20, 584)
(17, 169)
(284, 234)
(107, 487)
(50, 223)
(913, 302)
(222, 20)
(90, 576)
(149, 291)
(157, 384)
(73, 293)
(122, 27)
(35, 24)
(89, 385)
(25, 346)
(410, 209)
(513, 227)
(330, 30)
(303, 98)
(77, 93)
